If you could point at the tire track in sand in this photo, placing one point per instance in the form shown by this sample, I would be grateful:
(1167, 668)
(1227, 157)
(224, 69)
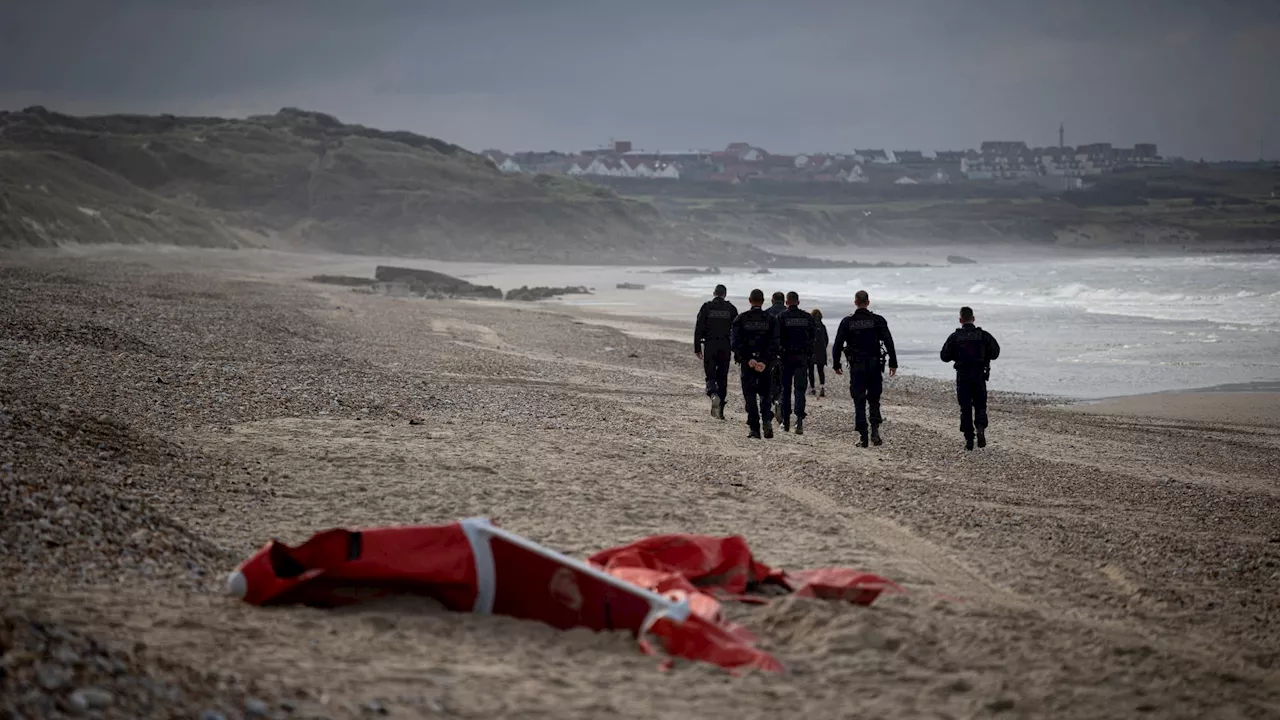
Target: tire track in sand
(934, 566)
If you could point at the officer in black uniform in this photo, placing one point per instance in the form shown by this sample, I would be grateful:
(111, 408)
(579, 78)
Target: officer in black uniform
(859, 337)
(755, 348)
(971, 349)
(778, 307)
(711, 343)
(797, 331)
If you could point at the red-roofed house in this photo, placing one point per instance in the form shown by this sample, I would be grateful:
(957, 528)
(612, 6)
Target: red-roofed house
(579, 165)
(635, 167)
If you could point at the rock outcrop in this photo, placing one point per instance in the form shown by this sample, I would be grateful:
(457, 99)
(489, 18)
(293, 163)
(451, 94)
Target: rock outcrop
(528, 294)
(428, 282)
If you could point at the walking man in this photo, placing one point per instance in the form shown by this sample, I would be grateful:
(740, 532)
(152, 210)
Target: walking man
(712, 345)
(818, 386)
(971, 349)
(778, 307)
(859, 337)
(796, 329)
(755, 348)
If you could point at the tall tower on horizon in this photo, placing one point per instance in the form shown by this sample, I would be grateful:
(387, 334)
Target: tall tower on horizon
(1062, 132)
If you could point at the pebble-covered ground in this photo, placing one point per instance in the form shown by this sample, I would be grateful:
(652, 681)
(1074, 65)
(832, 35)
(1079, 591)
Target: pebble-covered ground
(162, 415)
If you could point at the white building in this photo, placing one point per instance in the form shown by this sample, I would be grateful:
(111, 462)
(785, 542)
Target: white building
(668, 171)
(853, 175)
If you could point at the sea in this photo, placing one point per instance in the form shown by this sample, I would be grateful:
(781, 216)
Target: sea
(1083, 328)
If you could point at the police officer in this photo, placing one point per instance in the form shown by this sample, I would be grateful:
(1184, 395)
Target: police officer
(755, 348)
(796, 331)
(818, 385)
(778, 307)
(971, 349)
(711, 343)
(859, 337)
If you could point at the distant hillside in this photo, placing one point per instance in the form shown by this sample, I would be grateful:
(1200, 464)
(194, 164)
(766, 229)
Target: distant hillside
(1192, 208)
(300, 179)
(304, 179)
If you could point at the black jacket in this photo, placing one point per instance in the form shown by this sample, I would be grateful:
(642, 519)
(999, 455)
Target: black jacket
(820, 342)
(755, 337)
(796, 331)
(715, 320)
(776, 309)
(859, 336)
(971, 349)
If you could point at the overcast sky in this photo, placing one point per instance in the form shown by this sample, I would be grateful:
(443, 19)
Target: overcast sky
(1199, 77)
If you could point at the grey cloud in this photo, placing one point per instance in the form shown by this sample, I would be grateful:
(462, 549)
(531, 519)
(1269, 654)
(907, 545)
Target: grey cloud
(1196, 77)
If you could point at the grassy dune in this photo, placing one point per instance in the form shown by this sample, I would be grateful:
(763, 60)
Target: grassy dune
(304, 179)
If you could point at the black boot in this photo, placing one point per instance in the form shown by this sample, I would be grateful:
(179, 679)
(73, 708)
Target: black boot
(875, 435)
(754, 434)
(863, 440)
(720, 410)
(799, 426)
(786, 424)
(768, 430)
(982, 438)
(968, 442)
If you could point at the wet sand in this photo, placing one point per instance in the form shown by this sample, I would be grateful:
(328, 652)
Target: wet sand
(1210, 407)
(168, 413)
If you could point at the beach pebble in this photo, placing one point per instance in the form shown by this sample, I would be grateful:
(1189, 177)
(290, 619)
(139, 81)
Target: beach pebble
(255, 708)
(51, 677)
(91, 698)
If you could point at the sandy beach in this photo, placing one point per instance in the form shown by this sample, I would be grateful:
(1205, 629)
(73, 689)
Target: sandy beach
(166, 413)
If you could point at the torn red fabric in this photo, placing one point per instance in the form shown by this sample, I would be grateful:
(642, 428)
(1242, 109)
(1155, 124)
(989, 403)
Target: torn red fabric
(700, 639)
(852, 586)
(340, 567)
(660, 586)
(712, 563)
(703, 564)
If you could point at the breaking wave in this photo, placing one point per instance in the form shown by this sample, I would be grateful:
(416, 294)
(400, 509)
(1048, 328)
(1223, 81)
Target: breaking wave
(1216, 290)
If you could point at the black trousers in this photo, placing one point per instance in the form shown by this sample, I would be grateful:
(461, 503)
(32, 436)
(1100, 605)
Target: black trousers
(715, 362)
(757, 391)
(865, 386)
(794, 382)
(822, 374)
(971, 392)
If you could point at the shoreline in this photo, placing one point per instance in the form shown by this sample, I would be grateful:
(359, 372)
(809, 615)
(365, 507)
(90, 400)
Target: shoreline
(654, 313)
(1256, 407)
(667, 324)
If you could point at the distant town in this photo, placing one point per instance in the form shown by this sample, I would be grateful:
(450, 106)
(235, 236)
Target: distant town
(739, 162)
